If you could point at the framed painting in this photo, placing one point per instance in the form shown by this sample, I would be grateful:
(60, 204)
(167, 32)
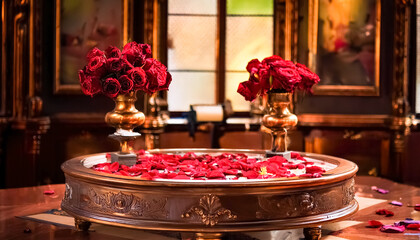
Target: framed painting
(344, 46)
(80, 26)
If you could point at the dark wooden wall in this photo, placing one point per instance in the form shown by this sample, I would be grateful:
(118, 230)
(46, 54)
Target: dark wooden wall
(36, 138)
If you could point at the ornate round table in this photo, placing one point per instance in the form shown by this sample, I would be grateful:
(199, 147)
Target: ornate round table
(211, 207)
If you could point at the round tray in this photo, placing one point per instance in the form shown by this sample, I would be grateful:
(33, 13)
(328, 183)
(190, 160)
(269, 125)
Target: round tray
(210, 206)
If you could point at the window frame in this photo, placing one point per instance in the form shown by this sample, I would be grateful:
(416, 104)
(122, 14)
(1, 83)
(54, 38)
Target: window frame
(285, 30)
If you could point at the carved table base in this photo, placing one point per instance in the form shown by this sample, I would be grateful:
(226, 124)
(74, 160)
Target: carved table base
(209, 208)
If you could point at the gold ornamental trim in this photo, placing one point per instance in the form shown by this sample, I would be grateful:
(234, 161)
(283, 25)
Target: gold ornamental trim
(210, 211)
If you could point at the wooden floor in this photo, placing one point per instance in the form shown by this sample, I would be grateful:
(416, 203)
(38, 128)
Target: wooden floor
(32, 200)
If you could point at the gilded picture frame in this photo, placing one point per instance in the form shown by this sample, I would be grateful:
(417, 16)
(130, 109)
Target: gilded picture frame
(80, 26)
(342, 50)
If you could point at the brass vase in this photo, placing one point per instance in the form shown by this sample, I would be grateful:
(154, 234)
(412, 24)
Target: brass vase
(124, 118)
(279, 119)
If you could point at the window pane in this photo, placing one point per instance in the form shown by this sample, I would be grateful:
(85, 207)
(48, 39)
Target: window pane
(191, 43)
(242, 7)
(192, 7)
(191, 88)
(247, 38)
(232, 82)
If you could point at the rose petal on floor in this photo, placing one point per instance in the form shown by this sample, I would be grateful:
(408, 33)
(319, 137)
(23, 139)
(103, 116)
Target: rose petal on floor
(385, 212)
(374, 224)
(414, 226)
(396, 203)
(383, 191)
(49, 192)
(392, 229)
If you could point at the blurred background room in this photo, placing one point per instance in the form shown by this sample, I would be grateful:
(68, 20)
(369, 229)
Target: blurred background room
(365, 108)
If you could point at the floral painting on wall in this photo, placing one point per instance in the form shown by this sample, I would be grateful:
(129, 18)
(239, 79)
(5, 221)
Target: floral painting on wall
(344, 43)
(81, 26)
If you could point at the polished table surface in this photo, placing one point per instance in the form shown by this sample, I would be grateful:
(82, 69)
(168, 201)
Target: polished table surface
(32, 200)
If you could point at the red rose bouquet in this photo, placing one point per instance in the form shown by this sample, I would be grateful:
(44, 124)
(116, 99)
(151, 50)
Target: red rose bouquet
(114, 72)
(276, 74)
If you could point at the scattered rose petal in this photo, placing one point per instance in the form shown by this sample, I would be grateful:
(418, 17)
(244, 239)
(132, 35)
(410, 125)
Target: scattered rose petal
(392, 229)
(414, 226)
(385, 212)
(406, 222)
(417, 207)
(205, 166)
(383, 191)
(379, 190)
(396, 203)
(27, 230)
(49, 192)
(114, 167)
(374, 224)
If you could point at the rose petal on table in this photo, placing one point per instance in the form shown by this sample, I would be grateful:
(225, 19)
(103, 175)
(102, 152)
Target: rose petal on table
(374, 224)
(49, 192)
(385, 212)
(114, 167)
(414, 226)
(406, 222)
(392, 229)
(396, 203)
(374, 188)
(383, 191)
(417, 207)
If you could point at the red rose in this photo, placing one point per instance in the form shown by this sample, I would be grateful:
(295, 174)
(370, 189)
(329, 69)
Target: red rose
(95, 52)
(156, 75)
(114, 71)
(249, 90)
(264, 79)
(308, 78)
(133, 52)
(139, 78)
(90, 86)
(285, 78)
(167, 82)
(111, 87)
(283, 64)
(253, 66)
(112, 52)
(146, 50)
(269, 60)
(126, 84)
(114, 65)
(125, 65)
(96, 64)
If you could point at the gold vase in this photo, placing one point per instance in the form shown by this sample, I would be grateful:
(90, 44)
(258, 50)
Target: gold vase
(124, 118)
(279, 119)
